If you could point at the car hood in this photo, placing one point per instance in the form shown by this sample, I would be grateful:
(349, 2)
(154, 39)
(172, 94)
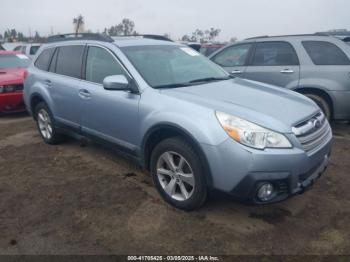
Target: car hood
(266, 105)
(12, 76)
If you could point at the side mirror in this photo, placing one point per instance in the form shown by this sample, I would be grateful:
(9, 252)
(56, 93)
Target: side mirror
(116, 82)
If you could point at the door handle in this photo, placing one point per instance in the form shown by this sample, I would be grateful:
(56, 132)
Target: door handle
(287, 71)
(234, 72)
(83, 93)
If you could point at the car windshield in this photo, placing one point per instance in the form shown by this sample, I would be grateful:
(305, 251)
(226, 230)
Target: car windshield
(173, 66)
(14, 61)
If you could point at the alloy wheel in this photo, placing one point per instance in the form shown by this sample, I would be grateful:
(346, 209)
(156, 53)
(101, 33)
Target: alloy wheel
(45, 125)
(175, 175)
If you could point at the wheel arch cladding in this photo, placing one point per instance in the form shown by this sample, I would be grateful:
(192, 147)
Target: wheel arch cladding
(159, 132)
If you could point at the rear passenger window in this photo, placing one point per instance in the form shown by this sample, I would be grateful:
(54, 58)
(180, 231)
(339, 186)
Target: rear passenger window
(44, 59)
(233, 56)
(325, 53)
(69, 61)
(274, 54)
(100, 64)
(34, 49)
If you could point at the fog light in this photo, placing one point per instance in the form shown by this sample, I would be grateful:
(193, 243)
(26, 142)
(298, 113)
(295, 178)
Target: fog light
(266, 192)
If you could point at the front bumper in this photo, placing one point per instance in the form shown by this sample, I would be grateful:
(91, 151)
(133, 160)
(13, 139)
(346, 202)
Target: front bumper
(240, 171)
(11, 102)
(283, 183)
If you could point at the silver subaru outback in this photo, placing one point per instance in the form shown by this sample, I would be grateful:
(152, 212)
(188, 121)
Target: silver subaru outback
(180, 116)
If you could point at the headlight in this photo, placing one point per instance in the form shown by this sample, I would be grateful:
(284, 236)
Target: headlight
(250, 134)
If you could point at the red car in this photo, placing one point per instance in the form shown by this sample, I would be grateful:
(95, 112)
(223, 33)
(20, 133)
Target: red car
(12, 74)
(208, 49)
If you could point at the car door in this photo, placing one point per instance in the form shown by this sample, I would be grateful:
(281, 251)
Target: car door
(66, 83)
(108, 114)
(274, 62)
(233, 58)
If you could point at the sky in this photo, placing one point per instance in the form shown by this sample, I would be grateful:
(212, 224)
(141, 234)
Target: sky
(235, 18)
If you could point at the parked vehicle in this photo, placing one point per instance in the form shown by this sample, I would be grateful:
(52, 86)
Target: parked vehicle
(28, 49)
(313, 65)
(195, 46)
(347, 40)
(180, 116)
(208, 49)
(12, 74)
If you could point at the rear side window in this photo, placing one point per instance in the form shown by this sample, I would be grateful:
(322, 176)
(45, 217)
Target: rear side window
(34, 49)
(325, 53)
(17, 48)
(44, 59)
(274, 54)
(100, 64)
(69, 61)
(233, 56)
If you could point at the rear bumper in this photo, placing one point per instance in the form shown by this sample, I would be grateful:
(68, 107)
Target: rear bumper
(11, 102)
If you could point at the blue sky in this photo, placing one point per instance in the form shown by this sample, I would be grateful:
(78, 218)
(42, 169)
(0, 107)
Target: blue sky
(240, 18)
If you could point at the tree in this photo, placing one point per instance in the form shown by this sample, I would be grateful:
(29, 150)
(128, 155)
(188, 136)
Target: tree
(78, 23)
(126, 27)
(197, 36)
(186, 38)
(20, 37)
(213, 33)
(13, 33)
(233, 39)
(37, 37)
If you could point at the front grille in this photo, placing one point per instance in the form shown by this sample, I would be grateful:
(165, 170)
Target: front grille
(313, 133)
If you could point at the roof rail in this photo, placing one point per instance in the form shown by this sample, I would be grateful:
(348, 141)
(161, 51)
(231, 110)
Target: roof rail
(149, 36)
(80, 36)
(267, 36)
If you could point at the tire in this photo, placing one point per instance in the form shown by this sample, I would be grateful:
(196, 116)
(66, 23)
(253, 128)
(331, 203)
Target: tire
(46, 125)
(322, 103)
(186, 175)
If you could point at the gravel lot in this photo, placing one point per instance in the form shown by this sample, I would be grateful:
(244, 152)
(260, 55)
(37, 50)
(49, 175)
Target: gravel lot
(83, 199)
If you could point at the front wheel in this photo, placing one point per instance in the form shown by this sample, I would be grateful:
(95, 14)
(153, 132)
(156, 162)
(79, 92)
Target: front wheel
(178, 174)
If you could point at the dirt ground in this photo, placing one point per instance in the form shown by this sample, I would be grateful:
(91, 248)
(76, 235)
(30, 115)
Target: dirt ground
(75, 199)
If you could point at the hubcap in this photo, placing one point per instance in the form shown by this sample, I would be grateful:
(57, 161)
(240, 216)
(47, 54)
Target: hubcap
(175, 175)
(44, 122)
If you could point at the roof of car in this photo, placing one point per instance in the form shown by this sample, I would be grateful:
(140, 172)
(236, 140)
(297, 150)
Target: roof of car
(121, 41)
(137, 41)
(317, 35)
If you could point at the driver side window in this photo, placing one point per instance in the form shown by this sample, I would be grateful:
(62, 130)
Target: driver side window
(100, 64)
(233, 56)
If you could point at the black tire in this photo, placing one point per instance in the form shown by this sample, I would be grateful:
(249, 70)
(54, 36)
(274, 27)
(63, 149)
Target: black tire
(322, 103)
(55, 137)
(179, 146)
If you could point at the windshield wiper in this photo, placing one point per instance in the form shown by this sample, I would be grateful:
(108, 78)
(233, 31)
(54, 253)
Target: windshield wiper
(210, 79)
(172, 85)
